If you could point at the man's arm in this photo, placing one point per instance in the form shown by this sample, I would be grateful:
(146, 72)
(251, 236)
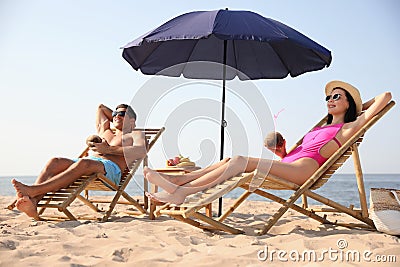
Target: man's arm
(103, 119)
(135, 151)
(139, 148)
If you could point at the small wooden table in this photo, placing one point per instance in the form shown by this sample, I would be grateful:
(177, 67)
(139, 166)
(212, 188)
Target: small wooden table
(172, 170)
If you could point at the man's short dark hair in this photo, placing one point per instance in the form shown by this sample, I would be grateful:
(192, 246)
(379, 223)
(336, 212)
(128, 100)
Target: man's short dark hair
(129, 110)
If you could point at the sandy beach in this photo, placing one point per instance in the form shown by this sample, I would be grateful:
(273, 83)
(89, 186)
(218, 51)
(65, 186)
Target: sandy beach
(138, 241)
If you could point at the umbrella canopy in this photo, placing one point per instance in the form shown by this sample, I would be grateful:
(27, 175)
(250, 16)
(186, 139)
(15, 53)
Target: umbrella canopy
(255, 46)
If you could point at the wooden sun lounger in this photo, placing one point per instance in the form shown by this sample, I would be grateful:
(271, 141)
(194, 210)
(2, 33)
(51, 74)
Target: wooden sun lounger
(188, 211)
(63, 198)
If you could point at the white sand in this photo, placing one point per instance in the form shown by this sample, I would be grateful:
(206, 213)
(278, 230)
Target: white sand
(133, 241)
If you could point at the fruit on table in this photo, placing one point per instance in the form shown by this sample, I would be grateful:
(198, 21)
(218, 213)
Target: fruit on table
(176, 160)
(186, 164)
(180, 161)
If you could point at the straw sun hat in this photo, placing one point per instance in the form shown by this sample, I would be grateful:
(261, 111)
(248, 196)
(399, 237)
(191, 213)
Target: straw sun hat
(349, 88)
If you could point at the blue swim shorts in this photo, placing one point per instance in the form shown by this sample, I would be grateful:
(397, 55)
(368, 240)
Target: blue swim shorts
(113, 172)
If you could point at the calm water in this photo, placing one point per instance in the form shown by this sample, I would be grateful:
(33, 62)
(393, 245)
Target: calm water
(342, 187)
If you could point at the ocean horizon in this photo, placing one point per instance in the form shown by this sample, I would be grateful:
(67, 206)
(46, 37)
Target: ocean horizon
(341, 188)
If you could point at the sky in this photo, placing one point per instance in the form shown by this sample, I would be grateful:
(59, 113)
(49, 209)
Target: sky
(60, 59)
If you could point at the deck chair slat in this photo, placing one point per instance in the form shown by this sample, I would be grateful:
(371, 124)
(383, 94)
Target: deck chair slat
(56, 198)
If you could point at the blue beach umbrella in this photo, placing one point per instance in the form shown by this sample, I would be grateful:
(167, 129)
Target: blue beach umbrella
(253, 46)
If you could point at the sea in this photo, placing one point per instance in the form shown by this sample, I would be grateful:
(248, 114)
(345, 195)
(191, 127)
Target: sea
(341, 188)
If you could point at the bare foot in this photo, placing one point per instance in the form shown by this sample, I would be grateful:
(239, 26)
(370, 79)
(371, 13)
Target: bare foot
(155, 201)
(169, 177)
(26, 205)
(146, 170)
(165, 197)
(22, 189)
(157, 179)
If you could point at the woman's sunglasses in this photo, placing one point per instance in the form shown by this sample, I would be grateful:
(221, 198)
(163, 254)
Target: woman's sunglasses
(119, 113)
(334, 97)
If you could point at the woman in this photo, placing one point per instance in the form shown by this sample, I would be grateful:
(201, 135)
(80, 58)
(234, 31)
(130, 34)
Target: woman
(344, 120)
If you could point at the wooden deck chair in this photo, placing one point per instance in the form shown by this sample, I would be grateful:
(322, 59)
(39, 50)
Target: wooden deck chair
(63, 198)
(188, 211)
(317, 180)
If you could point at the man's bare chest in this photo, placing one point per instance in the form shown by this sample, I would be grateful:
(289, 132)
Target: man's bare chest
(120, 140)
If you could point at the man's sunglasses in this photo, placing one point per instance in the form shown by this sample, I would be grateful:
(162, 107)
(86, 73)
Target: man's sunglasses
(119, 113)
(335, 97)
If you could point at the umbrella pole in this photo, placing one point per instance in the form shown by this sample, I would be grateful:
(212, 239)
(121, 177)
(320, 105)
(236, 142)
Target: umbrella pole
(223, 122)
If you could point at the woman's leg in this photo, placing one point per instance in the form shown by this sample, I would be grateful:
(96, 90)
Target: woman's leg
(182, 179)
(215, 176)
(295, 172)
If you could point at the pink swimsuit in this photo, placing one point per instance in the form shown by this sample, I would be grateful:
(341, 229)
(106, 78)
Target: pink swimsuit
(313, 142)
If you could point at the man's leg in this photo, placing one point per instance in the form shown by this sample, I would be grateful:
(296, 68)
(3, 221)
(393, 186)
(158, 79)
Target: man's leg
(53, 167)
(29, 196)
(63, 179)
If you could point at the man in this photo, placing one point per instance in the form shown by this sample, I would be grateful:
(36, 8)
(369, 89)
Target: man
(110, 157)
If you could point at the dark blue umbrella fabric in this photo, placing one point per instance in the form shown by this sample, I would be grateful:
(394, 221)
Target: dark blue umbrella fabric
(258, 47)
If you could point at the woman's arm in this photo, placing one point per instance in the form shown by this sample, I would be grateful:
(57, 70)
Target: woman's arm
(372, 107)
(376, 104)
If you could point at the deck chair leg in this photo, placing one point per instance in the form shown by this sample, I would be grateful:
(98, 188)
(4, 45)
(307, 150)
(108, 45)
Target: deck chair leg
(360, 181)
(112, 205)
(217, 225)
(145, 198)
(304, 200)
(11, 206)
(69, 214)
(134, 202)
(232, 208)
(271, 222)
(208, 210)
(188, 221)
(115, 201)
(88, 203)
(200, 225)
(153, 207)
(145, 185)
(295, 207)
(340, 208)
(285, 206)
(121, 192)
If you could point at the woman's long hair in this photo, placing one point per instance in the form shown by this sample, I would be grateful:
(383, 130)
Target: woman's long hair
(351, 113)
